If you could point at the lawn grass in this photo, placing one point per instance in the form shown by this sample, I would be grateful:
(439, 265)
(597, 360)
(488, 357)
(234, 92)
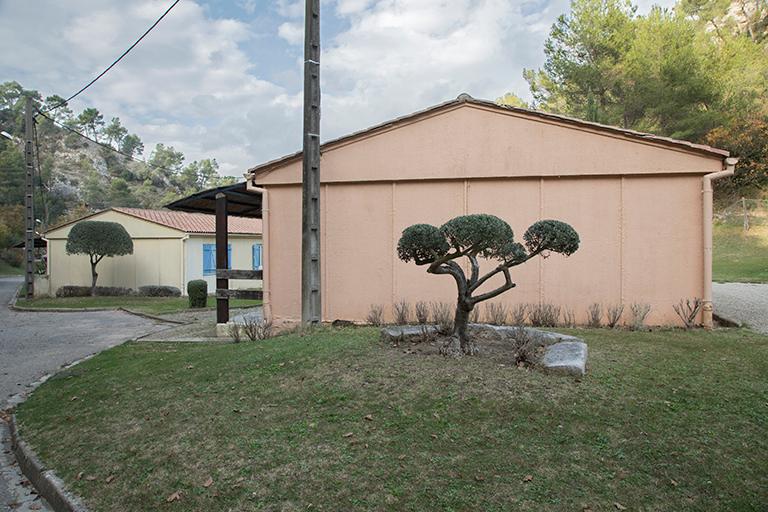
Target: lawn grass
(7, 269)
(666, 420)
(740, 257)
(150, 305)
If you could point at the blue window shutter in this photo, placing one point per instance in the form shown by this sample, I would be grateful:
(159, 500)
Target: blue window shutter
(209, 259)
(229, 256)
(256, 256)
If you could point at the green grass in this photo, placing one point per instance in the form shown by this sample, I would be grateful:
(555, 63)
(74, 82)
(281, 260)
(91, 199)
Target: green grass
(7, 269)
(150, 305)
(666, 420)
(740, 257)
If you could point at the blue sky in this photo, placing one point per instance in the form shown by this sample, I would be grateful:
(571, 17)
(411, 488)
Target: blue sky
(222, 78)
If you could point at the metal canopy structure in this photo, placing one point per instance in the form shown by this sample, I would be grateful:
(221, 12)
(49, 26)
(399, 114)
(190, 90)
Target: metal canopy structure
(240, 201)
(225, 201)
(40, 243)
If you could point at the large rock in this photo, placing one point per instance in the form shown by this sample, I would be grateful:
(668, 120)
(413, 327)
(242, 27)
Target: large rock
(400, 333)
(566, 357)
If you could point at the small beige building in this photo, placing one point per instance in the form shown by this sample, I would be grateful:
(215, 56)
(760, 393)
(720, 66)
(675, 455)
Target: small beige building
(169, 248)
(635, 199)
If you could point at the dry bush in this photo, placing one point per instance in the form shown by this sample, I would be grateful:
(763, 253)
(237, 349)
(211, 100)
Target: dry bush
(422, 312)
(569, 317)
(518, 314)
(528, 346)
(639, 312)
(496, 313)
(544, 315)
(474, 316)
(442, 315)
(427, 335)
(595, 315)
(257, 329)
(234, 332)
(613, 314)
(402, 310)
(375, 315)
(688, 311)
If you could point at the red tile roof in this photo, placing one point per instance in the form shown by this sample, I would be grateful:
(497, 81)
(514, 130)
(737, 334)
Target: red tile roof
(193, 222)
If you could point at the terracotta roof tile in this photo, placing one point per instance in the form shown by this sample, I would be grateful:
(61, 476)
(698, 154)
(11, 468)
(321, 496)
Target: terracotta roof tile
(193, 222)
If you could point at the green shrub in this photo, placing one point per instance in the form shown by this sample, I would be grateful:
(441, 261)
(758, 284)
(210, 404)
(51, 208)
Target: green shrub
(85, 291)
(159, 291)
(198, 293)
(73, 291)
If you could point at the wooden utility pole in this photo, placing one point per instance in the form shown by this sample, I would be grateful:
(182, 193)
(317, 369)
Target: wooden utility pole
(311, 300)
(29, 201)
(222, 257)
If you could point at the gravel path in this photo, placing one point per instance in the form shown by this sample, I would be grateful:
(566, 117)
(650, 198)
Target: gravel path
(33, 344)
(743, 303)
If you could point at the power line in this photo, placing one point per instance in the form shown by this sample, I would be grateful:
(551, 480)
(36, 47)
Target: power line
(106, 146)
(114, 63)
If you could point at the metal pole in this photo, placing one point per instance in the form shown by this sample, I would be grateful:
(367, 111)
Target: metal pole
(222, 257)
(311, 300)
(29, 201)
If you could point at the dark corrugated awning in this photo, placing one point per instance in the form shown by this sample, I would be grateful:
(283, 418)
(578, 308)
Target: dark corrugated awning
(240, 201)
(40, 243)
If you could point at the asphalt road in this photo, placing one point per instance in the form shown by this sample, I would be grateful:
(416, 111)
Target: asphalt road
(35, 344)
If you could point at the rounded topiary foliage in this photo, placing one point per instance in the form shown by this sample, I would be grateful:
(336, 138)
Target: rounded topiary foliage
(98, 239)
(197, 290)
(480, 236)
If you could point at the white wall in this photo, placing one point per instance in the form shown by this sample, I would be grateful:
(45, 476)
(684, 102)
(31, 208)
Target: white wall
(241, 260)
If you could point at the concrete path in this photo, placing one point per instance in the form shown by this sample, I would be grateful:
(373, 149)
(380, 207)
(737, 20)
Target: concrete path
(35, 344)
(743, 303)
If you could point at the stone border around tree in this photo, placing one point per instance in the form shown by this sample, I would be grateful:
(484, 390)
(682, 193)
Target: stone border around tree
(565, 355)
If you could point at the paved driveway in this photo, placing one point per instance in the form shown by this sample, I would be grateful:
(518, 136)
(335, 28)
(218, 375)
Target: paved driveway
(34, 344)
(742, 302)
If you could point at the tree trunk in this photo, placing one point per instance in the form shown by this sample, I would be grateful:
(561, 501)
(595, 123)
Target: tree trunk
(94, 277)
(460, 344)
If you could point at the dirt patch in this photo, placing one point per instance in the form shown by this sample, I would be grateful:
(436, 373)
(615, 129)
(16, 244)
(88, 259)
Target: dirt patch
(521, 347)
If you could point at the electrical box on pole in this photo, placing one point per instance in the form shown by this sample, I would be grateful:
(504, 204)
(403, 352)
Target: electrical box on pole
(29, 201)
(311, 301)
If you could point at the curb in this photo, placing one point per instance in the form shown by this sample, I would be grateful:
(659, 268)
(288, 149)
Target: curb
(14, 297)
(12, 305)
(726, 322)
(152, 317)
(57, 310)
(47, 483)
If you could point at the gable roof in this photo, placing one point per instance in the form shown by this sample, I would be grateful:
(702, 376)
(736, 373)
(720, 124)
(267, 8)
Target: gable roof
(464, 98)
(196, 223)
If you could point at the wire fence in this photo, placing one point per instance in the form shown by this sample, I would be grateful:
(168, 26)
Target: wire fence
(749, 214)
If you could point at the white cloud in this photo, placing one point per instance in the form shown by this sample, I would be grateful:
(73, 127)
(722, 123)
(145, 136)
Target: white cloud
(249, 6)
(403, 55)
(346, 7)
(291, 32)
(291, 8)
(190, 83)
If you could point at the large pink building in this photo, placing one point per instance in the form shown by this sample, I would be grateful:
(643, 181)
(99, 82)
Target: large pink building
(635, 199)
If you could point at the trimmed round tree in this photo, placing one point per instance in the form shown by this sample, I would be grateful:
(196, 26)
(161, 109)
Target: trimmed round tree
(98, 239)
(479, 236)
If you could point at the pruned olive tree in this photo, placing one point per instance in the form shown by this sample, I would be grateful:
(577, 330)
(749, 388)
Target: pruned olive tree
(98, 239)
(473, 237)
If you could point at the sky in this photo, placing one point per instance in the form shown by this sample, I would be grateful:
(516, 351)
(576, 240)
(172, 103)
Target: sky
(223, 78)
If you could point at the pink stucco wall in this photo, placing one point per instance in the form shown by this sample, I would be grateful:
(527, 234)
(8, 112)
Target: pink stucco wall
(635, 204)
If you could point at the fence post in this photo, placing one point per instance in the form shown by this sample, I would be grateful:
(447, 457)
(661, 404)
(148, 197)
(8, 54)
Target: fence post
(746, 214)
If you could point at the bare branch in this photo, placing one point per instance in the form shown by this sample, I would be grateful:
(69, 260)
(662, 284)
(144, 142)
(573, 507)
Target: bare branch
(508, 285)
